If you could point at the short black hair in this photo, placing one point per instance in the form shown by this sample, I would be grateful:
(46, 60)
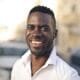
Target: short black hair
(43, 9)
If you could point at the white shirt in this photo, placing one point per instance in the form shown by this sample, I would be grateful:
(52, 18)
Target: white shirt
(54, 69)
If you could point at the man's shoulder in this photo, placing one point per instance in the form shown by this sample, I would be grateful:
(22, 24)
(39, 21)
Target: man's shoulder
(63, 64)
(17, 64)
(21, 61)
(65, 67)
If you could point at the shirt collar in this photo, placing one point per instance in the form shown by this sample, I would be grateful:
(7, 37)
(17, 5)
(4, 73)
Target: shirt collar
(26, 57)
(52, 57)
(51, 60)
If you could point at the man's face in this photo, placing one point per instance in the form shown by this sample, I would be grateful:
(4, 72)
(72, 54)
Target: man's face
(40, 34)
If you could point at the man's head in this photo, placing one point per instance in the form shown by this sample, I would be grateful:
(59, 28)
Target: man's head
(40, 31)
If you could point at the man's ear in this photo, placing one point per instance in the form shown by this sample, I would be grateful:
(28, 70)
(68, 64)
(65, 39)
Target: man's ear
(55, 34)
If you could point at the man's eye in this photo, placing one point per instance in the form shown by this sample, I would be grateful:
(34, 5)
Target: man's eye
(30, 27)
(45, 28)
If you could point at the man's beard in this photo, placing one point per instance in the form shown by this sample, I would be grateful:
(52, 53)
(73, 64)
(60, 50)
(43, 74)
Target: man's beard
(43, 52)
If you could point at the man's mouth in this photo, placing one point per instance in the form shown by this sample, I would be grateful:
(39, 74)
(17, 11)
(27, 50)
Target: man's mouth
(36, 43)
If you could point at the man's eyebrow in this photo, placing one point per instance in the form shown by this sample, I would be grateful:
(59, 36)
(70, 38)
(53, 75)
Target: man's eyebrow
(45, 25)
(30, 24)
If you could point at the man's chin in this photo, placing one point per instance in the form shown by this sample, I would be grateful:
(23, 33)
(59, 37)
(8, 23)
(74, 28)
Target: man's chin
(37, 53)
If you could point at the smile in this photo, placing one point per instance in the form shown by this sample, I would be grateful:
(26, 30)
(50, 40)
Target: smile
(36, 43)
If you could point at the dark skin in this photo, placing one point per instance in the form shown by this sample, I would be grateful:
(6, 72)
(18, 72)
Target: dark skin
(40, 34)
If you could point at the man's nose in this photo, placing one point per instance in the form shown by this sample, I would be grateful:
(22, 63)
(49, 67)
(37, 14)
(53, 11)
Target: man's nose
(36, 29)
(37, 32)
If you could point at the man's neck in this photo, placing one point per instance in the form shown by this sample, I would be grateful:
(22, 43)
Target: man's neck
(37, 63)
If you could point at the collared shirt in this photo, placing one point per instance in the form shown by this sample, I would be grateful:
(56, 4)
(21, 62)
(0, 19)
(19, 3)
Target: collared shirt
(54, 69)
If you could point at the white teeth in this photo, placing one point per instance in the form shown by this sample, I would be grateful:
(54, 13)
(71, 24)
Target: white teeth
(37, 42)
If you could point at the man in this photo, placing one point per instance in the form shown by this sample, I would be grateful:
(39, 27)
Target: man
(41, 61)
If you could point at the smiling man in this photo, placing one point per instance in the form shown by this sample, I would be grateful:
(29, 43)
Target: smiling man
(40, 62)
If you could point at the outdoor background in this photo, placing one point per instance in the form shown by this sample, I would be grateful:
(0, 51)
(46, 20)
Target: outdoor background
(13, 15)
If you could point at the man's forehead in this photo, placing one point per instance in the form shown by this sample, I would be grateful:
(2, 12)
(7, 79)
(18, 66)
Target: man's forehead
(39, 16)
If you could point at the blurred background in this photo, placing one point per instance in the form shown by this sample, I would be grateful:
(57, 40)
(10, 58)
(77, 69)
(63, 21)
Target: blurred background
(13, 15)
